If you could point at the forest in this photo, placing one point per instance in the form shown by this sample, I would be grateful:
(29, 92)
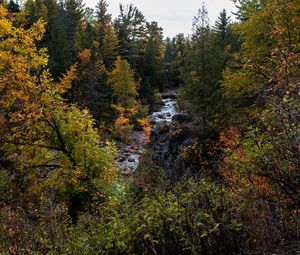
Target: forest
(83, 93)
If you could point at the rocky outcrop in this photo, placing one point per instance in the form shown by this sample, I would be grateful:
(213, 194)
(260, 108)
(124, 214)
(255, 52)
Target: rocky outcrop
(172, 94)
(128, 155)
(182, 118)
(158, 105)
(168, 140)
(171, 133)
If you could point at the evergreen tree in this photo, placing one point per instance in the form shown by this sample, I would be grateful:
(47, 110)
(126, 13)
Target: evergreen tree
(56, 41)
(90, 88)
(110, 46)
(246, 8)
(12, 7)
(153, 63)
(34, 10)
(88, 15)
(201, 34)
(74, 13)
(88, 38)
(130, 27)
(222, 28)
(106, 36)
(103, 20)
(169, 62)
(180, 67)
(102, 15)
(201, 92)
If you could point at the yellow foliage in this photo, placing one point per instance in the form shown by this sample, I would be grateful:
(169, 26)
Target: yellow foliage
(123, 84)
(55, 145)
(145, 124)
(122, 127)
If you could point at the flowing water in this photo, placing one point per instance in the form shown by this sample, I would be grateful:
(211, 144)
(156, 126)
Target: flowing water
(166, 113)
(128, 157)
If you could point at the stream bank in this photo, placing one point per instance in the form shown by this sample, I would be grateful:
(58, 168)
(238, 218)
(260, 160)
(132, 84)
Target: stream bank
(129, 155)
(170, 133)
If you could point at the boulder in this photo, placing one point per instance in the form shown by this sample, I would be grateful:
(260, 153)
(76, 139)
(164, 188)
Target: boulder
(127, 149)
(161, 116)
(121, 160)
(160, 103)
(169, 141)
(182, 118)
(131, 160)
(169, 94)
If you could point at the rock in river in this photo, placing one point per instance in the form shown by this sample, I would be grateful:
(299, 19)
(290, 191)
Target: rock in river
(182, 118)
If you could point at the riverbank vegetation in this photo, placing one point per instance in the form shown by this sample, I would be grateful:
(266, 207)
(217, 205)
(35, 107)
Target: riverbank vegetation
(74, 82)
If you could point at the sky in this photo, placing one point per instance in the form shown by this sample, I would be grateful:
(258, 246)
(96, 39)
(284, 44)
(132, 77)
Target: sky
(174, 16)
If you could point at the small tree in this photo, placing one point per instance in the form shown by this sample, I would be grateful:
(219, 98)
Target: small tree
(55, 145)
(123, 84)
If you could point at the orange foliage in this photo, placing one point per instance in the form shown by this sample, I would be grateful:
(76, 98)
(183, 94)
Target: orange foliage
(85, 56)
(229, 138)
(121, 121)
(145, 124)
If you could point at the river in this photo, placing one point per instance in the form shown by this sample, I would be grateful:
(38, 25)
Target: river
(129, 156)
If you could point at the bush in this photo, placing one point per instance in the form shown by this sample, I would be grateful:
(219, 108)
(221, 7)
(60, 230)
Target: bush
(192, 218)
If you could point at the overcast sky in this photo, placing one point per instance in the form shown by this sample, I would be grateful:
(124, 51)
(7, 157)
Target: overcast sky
(174, 16)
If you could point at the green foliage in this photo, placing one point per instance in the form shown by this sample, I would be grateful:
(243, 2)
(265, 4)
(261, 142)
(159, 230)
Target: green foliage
(82, 141)
(193, 218)
(123, 84)
(74, 11)
(56, 41)
(208, 54)
(107, 38)
(130, 25)
(202, 230)
(261, 88)
(59, 190)
(149, 173)
(35, 10)
(50, 150)
(247, 8)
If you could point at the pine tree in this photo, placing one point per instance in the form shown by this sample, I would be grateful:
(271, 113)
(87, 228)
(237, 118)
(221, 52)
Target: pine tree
(74, 13)
(130, 27)
(222, 28)
(201, 33)
(103, 19)
(246, 8)
(181, 44)
(34, 10)
(102, 15)
(202, 84)
(106, 36)
(110, 46)
(12, 7)
(56, 41)
(152, 62)
(169, 62)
